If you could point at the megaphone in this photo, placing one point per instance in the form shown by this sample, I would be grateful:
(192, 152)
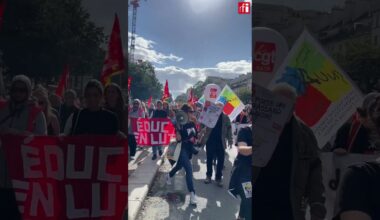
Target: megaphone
(181, 117)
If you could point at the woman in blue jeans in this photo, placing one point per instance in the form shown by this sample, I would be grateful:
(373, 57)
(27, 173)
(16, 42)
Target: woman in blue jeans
(187, 134)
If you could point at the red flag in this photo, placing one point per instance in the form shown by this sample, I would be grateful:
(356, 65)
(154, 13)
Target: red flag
(190, 95)
(63, 82)
(2, 9)
(166, 94)
(129, 84)
(114, 63)
(150, 102)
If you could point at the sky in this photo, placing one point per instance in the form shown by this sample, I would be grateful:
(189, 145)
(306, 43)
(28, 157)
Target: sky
(188, 40)
(102, 13)
(319, 5)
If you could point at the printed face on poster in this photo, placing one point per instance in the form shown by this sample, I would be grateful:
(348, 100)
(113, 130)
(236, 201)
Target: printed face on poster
(211, 92)
(210, 114)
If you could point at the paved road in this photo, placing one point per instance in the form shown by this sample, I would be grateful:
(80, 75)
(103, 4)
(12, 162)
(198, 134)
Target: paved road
(172, 202)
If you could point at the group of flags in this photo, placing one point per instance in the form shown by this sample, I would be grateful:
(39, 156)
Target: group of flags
(113, 63)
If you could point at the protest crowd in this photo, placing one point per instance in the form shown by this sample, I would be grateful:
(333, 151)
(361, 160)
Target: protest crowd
(191, 135)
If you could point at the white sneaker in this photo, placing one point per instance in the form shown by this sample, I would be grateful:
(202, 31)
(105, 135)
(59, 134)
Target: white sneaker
(193, 198)
(168, 179)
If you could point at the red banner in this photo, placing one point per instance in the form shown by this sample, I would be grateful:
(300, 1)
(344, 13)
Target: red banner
(153, 132)
(58, 178)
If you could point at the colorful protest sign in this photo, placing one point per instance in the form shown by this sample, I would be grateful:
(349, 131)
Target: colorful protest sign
(210, 114)
(270, 114)
(68, 177)
(231, 102)
(269, 49)
(201, 100)
(326, 96)
(153, 132)
(333, 168)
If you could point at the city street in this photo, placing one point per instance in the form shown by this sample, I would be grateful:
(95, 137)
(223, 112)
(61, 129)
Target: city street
(172, 202)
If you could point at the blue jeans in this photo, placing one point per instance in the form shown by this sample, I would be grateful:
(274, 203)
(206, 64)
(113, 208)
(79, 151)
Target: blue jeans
(156, 148)
(184, 161)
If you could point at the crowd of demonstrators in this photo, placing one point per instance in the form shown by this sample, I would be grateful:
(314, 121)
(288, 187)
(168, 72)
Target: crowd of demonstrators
(292, 179)
(359, 192)
(94, 119)
(187, 135)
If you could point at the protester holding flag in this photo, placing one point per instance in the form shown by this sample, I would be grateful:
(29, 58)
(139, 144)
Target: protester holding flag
(134, 113)
(187, 134)
(114, 102)
(215, 140)
(158, 113)
(52, 121)
(292, 179)
(93, 119)
(68, 107)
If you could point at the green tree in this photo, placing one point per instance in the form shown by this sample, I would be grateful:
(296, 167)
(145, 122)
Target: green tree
(40, 36)
(245, 95)
(361, 61)
(144, 81)
(182, 98)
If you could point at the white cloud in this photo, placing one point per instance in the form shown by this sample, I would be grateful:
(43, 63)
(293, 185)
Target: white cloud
(144, 50)
(180, 79)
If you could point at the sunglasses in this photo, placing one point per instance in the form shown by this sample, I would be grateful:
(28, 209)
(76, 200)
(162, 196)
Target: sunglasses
(41, 103)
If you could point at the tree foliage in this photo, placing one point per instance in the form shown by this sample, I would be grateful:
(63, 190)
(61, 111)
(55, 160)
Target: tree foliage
(40, 36)
(361, 61)
(144, 81)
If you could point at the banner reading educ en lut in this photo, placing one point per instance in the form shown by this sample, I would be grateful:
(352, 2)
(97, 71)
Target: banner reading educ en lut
(58, 178)
(153, 131)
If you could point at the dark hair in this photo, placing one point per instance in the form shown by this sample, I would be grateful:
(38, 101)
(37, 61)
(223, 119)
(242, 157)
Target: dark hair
(186, 108)
(94, 84)
(120, 105)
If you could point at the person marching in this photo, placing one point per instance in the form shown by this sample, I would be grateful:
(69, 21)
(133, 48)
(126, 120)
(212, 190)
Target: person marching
(186, 134)
(241, 178)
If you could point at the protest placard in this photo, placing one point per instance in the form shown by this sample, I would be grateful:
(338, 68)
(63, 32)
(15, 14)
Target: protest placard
(269, 50)
(68, 177)
(210, 114)
(231, 102)
(333, 168)
(153, 131)
(327, 98)
(270, 114)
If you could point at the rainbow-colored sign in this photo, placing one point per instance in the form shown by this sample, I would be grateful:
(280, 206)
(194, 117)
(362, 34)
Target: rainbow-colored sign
(232, 104)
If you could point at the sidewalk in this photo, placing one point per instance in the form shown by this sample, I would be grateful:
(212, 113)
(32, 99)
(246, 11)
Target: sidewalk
(141, 173)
